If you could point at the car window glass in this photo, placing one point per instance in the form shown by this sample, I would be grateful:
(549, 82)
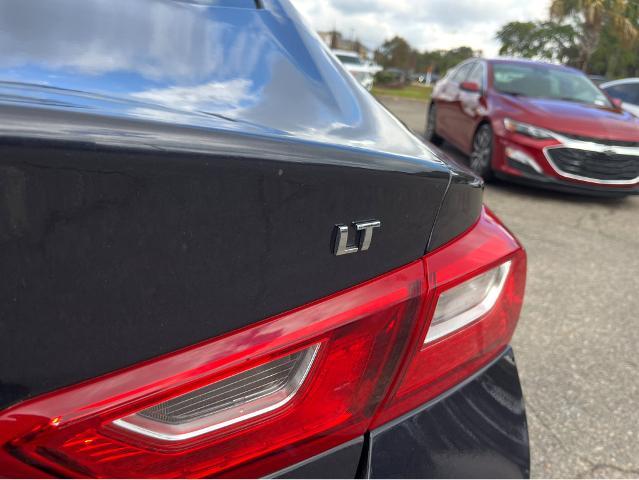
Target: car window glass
(462, 72)
(350, 59)
(450, 73)
(627, 92)
(477, 74)
(546, 81)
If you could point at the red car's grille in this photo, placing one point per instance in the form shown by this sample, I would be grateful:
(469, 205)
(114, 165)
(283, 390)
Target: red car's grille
(605, 166)
(601, 141)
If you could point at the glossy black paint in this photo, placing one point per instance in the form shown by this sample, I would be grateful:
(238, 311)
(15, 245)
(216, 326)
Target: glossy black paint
(343, 461)
(460, 208)
(171, 171)
(477, 430)
(184, 63)
(116, 255)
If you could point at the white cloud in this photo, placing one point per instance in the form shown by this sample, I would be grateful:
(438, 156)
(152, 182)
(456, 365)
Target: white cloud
(426, 24)
(156, 39)
(200, 97)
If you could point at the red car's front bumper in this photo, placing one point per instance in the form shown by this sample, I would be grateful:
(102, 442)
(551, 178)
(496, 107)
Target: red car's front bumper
(587, 168)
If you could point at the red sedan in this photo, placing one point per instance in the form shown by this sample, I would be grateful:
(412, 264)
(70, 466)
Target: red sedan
(536, 123)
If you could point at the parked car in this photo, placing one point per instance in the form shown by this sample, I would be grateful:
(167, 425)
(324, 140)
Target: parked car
(362, 72)
(215, 267)
(627, 91)
(536, 123)
(373, 67)
(597, 79)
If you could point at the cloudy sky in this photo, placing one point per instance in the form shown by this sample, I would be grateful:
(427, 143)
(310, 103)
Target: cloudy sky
(426, 24)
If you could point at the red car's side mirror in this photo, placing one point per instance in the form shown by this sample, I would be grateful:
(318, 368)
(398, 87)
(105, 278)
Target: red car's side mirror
(470, 87)
(617, 102)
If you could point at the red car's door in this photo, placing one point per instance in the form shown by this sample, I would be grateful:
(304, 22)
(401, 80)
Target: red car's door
(470, 107)
(447, 101)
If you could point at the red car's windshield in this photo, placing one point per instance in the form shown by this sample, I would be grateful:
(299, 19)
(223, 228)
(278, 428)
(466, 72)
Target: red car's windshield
(541, 81)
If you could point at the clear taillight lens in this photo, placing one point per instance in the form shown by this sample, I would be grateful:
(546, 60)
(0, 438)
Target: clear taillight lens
(467, 302)
(240, 397)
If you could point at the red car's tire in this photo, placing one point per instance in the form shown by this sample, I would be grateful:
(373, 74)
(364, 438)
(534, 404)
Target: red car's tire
(480, 159)
(431, 121)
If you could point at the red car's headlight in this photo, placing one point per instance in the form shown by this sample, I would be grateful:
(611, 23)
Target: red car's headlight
(514, 126)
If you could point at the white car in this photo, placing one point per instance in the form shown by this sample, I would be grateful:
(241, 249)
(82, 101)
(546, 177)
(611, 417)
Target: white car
(626, 90)
(356, 67)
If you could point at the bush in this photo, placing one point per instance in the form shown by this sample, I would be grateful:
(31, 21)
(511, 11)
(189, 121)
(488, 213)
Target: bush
(384, 77)
(390, 78)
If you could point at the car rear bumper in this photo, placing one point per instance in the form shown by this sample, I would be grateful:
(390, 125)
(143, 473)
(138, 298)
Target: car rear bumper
(477, 429)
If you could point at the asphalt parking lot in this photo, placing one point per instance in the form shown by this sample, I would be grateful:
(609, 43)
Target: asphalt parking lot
(578, 338)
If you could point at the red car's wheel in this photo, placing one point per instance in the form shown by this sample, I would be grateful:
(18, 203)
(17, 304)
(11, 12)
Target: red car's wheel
(431, 122)
(482, 153)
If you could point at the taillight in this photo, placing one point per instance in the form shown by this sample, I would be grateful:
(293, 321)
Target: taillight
(278, 392)
(270, 395)
(251, 393)
(475, 297)
(462, 304)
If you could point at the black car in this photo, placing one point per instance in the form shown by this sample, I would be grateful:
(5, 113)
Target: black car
(222, 257)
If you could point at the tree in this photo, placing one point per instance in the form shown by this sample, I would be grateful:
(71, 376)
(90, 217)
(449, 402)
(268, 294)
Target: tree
(442, 60)
(592, 16)
(396, 53)
(612, 58)
(539, 40)
(452, 57)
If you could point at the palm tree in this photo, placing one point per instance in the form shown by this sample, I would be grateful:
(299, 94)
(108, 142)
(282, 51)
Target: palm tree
(593, 15)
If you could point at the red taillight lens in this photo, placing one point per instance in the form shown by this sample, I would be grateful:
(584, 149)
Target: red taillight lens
(279, 391)
(480, 280)
(265, 397)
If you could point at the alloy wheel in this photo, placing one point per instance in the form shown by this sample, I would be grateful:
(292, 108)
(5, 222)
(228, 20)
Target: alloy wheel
(480, 158)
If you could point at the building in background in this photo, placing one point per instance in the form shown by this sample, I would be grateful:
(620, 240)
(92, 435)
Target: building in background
(336, 41)
(355, 56)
